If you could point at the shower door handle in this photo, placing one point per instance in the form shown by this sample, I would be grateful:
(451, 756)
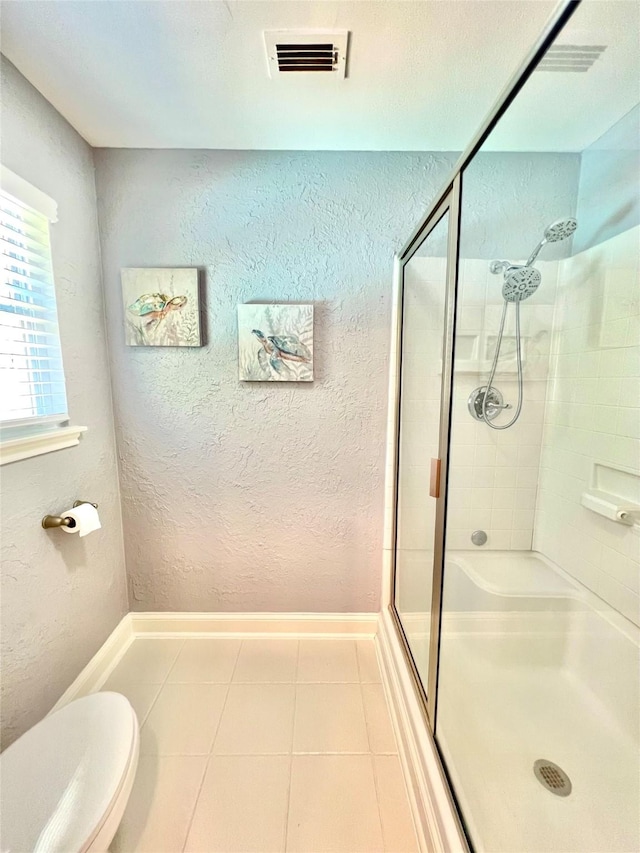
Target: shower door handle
(434, 480)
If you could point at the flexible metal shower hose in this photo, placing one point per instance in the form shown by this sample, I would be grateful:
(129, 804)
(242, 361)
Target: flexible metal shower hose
(495, 365)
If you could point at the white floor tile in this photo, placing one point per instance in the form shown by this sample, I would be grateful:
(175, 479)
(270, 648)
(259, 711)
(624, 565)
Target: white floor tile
(368, 661)
(159, 811)
(251, 724)
(397, 824)
(242, 805)
(257, 720)
(141, 696)
(205, 660)
(381, 737)
(329, 718)
(333, 806)
(267, 661)
(328, 660)
(147, 660)
(183, 720)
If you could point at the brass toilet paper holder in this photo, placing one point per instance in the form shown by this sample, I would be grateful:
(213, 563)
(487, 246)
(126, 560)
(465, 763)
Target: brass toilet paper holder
(51, 521)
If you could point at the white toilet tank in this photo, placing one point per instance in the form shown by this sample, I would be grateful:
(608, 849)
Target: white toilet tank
(65, 783)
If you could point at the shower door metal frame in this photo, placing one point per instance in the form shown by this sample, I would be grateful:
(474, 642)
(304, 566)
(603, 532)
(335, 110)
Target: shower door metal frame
(449, 200)
(449, 204)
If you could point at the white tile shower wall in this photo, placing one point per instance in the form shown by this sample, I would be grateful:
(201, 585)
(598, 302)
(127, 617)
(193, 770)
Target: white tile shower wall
(494, 473)
(593, 415)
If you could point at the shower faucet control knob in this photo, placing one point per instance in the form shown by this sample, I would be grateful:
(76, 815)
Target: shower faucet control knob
(491, 409)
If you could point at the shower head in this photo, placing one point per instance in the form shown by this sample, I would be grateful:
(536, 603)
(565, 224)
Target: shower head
(559, 230)
(520, 283)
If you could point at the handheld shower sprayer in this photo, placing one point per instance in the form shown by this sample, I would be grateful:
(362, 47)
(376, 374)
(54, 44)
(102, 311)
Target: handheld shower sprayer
(520, 281)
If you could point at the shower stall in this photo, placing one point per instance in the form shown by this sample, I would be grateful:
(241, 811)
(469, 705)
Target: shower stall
(514, 498)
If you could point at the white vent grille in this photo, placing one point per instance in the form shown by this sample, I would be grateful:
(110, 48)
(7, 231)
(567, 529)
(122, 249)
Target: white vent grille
(307, 52)
(571, 57)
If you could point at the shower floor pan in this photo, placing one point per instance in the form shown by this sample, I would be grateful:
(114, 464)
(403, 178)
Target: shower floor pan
(534, 666)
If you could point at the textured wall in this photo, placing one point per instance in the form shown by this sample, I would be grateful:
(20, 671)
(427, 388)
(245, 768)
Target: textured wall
(61, 596)
(608, 201)
(247, 496)
(509, 198)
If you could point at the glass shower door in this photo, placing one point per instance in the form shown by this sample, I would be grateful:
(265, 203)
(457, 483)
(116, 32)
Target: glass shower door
(522, 623)
(539, 644)
(424, 286)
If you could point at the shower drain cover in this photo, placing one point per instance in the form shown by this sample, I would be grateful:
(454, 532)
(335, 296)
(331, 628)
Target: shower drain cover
(552, 777)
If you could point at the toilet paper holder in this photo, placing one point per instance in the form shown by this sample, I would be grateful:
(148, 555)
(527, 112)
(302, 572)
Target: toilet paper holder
(51, 521)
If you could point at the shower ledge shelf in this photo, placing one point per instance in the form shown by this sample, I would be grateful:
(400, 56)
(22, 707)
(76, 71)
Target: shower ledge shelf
(614, 493)
(611, 507)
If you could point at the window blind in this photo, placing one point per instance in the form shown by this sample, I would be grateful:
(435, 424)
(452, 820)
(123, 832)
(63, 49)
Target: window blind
(32, 386)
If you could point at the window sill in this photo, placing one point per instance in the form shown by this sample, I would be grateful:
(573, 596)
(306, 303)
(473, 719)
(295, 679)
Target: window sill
(15, 449)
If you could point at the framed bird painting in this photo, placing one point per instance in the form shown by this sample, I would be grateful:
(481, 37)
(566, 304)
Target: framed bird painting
(161, 307)
(275, 343)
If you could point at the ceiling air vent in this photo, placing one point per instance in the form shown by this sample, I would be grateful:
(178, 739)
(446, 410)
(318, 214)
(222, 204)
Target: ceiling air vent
(571, 57)
(307, 52)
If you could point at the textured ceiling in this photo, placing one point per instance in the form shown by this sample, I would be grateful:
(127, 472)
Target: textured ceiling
(422, 73)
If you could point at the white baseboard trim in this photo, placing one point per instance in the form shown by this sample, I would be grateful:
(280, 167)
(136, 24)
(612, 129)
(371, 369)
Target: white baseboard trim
(434, 813)
(101, 664)
(257, 625)
(237, 625)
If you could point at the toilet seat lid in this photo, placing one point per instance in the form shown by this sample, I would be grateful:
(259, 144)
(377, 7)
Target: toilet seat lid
(59, 780)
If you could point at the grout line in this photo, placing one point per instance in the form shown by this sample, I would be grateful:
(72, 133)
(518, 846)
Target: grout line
(254, 754)
(224, 704)
(297, 661)
(293, 734)
(150, 708)
(195, 802)
(366, 718)
(359, 668)
(252, 635)
(213, 739)
(274, 682)
(377, 790)
(161, 684)
(338, 752)
(173, 662)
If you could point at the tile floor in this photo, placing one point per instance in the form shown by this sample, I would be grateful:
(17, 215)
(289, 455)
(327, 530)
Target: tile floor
(261, 745)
